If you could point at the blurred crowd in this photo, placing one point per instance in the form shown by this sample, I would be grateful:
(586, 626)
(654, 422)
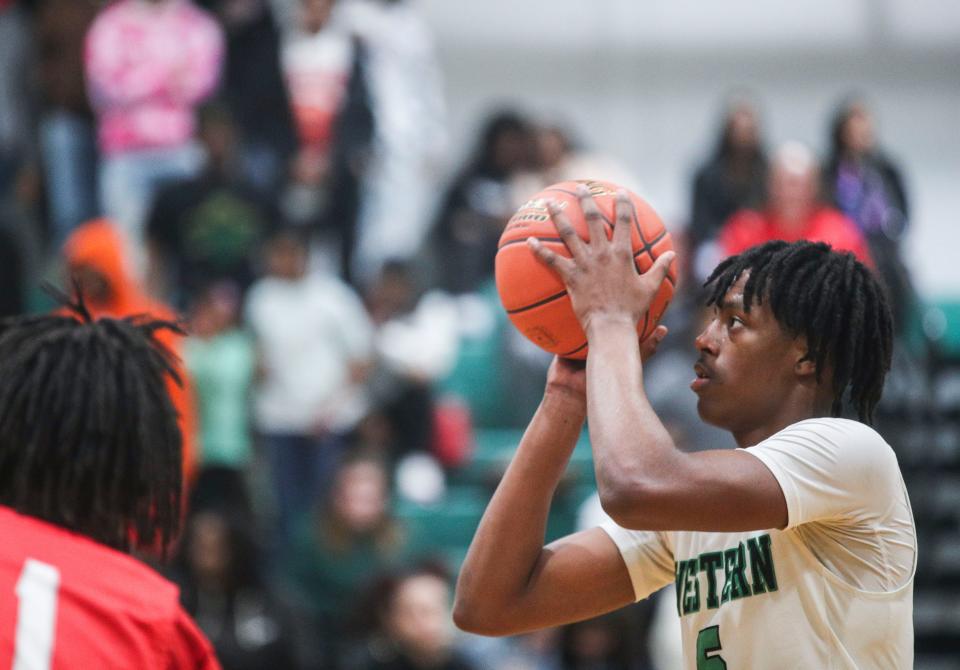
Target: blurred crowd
(269, 171)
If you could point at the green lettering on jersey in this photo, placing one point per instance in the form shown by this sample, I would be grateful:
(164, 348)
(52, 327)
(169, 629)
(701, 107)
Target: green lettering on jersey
(691, 588)
(761, 564)
(710, 562)
(735, 583)
(680, 568)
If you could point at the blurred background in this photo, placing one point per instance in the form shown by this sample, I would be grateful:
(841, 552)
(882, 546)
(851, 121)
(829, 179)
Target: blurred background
(317, 187)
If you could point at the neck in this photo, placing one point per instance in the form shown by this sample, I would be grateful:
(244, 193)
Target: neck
(806, 406)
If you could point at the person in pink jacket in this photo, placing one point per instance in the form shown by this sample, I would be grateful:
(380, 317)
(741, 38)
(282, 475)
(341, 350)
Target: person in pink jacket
(148, 63)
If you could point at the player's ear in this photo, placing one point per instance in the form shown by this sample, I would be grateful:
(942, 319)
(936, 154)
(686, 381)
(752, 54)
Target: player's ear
(804, 365)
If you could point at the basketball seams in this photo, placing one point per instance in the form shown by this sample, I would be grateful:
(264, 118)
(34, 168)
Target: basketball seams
(539, 303)
(567, 354)
(605, 218)
(545, 320)
(520, 240)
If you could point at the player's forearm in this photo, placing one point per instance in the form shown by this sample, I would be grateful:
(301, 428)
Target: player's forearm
(634, 456)
(510, 537)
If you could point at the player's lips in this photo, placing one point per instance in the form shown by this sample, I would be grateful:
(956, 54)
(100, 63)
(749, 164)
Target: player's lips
(704, 375)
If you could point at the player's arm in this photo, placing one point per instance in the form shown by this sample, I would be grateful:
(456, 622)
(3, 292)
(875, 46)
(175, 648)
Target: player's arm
(645, 482)
(510, 582)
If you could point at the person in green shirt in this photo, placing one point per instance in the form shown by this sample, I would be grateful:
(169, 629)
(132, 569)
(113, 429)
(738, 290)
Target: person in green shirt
(221, 359)
(349, 541)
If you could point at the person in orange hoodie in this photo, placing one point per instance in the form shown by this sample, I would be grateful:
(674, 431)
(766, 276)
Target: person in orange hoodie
(98, 267)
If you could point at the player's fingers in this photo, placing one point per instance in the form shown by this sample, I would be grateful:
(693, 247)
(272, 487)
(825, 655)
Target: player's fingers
(592, 215)
(648, 347)
(661, 267)
(562, 266)
(565, 228)
(623, 221)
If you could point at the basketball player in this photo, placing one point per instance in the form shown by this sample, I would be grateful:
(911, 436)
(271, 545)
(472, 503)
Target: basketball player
(89, 470)
(796, 550)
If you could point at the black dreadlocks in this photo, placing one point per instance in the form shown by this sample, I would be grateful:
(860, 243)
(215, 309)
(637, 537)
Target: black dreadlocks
(88, 434)
(832, 300)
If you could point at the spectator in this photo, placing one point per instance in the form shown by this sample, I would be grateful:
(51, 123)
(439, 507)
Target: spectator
(603, 643)
(254, 90)
(66, 131)
(866, 185)
(314, 339)
(222, 586)
(416, 344)
(558, 157)
(317, 57)
(350, 538)
(733, 178)
(96, 261)
(860, 179)
(220, 358)
(478, 204)
(415, 629)
(324, 65)
(793, 212)
(209, 227)
(409, 136)
(148, 64)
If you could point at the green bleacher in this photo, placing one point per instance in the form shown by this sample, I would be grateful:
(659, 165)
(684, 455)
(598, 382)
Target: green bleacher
(446, 527)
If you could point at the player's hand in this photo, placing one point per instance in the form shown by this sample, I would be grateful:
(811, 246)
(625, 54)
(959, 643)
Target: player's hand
(648, 347)
(601, 277)
(569, 377)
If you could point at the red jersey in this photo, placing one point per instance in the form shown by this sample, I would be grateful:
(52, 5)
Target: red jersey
(69, 602)
(748, 228)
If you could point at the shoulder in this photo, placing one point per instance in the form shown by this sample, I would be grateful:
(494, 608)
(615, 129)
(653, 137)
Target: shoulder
(830, 469)
(833, 226)
(333, 289)
(843, 449)
(116, 581)
(262, 291)
(840, 434)
(190, 648)
(831, 216)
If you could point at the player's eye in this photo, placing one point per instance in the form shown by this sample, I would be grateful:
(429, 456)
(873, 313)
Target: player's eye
(734, 321)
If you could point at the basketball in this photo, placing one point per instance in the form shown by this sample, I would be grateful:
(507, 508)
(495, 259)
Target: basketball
(535, 298)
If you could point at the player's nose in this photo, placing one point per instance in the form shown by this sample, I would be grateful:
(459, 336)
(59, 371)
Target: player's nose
(707, 340)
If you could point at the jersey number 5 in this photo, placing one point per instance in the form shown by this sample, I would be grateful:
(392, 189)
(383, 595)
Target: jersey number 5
(36, 615)
(708, 641)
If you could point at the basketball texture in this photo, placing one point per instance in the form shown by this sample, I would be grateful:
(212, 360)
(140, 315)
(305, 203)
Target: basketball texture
(535, 297)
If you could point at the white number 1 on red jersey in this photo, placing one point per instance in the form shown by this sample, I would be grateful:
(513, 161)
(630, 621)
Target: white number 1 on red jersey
(36, 615)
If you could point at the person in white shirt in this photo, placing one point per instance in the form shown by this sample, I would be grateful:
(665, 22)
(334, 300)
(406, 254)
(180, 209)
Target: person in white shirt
(797, 550)
(315, 345)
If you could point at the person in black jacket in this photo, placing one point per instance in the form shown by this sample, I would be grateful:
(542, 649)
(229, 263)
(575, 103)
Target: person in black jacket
(733, 178)
(865, 184)
(254, 91)
(222, 585)
(478, 203)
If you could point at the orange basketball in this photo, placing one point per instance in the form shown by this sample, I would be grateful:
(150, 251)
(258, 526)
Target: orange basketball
(535, 297)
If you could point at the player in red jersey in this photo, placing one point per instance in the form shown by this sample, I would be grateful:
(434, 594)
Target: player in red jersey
(89, 470)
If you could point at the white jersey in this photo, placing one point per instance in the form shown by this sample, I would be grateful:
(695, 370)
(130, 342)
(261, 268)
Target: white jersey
(834, 589)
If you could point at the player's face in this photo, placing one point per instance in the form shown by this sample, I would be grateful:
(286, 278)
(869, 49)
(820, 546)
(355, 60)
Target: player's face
(747, 368)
